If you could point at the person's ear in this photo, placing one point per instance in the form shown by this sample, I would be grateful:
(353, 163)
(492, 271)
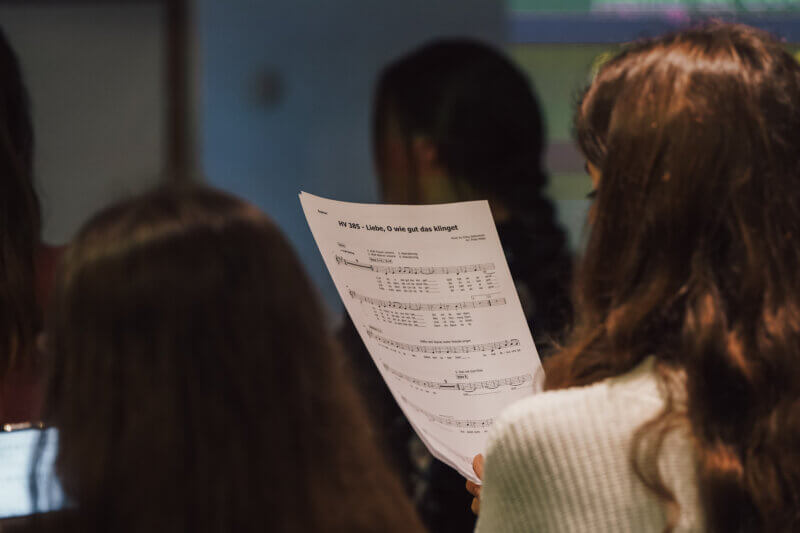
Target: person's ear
(425, 154)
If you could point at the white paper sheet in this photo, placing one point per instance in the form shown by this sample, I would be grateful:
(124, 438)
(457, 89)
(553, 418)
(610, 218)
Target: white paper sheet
(429, 291)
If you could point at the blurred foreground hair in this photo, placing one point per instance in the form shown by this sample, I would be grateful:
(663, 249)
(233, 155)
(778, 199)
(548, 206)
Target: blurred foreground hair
(194, 385)
(693, 256)
(20, 218)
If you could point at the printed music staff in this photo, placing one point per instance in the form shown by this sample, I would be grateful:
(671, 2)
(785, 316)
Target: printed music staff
(446, 348)
(466, 386)
(379, 269)
(455, 306)
(471, 423)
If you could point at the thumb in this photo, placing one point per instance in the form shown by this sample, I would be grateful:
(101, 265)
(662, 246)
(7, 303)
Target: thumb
(477, 465)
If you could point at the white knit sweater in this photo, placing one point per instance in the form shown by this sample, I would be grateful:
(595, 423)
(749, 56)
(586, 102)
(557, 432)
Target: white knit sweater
(560, 461)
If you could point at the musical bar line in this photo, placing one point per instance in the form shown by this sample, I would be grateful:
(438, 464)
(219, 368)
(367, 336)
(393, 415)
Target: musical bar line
(381, 269)
(455, 306)
(466, 386)
(454, 422)
(452, 348)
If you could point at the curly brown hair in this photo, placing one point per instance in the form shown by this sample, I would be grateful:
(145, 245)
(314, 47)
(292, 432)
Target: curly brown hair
(693, 256)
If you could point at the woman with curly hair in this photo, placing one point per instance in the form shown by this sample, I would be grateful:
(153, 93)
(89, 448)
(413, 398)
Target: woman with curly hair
(675, 403)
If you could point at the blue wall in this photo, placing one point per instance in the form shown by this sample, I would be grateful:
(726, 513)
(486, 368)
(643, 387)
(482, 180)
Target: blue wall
(312, 132)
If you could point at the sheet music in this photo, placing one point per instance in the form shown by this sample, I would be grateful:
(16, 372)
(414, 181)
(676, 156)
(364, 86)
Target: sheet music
(429, 291)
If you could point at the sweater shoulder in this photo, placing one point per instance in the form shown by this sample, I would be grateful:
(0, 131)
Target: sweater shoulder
(604, 408)
(560, 460)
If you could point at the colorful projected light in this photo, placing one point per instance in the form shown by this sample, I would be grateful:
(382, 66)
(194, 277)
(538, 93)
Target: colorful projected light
(689, 6)
(659, 6)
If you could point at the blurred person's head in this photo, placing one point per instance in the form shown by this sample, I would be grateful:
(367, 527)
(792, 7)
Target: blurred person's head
(693, 255)
(194, 385)
(19, 216)
(456, 120)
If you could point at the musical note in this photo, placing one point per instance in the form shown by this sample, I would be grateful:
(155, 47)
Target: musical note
(473, 304)
(466, 386)
(449, 348)
(381, 269)
(454, 422)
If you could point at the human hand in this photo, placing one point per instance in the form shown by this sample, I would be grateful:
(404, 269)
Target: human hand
(472, 487)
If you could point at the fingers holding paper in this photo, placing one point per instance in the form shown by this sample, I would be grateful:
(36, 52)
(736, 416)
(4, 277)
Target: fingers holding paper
(474, 488)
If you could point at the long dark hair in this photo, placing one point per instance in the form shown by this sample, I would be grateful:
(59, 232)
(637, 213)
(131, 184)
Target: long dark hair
(20, 219)
(193, 383)
(693, 257)
(480, 112)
